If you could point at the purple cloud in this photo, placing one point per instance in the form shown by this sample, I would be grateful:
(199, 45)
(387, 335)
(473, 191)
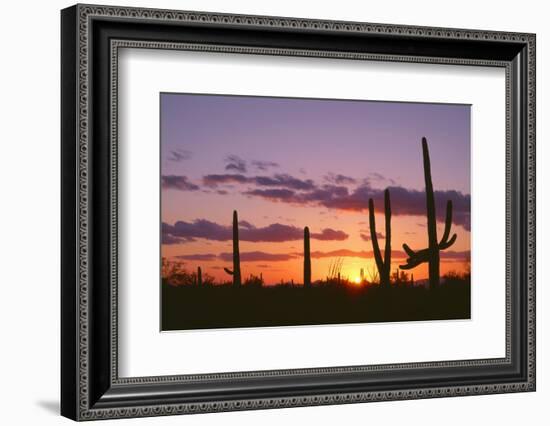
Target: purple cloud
(169, 239)
(365, 254)
(289, 189)
(365, 236)
(245, 224)
(202, 257)
(377, 177)
(284, 195)
(264, 165)
(284, 181)
(411, 202)
(455, 255)
(179, 155)
(181, 183)
(258, 256)
(328, 234)
(278, 180)
(247, 256)
(404, 202)
(233, 162)
(339, 179)
(276, 232)
(214, 180)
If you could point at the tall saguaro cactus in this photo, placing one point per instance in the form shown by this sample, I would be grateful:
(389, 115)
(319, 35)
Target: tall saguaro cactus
(236, 255)
(383, 265)
(431, 254)
(307, 259)
(236, 272)
(199, 276)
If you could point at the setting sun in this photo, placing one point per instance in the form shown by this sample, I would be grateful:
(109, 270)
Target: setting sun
(357, 280)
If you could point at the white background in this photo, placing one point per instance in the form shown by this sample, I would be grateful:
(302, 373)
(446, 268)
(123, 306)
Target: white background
(191, 352)
(29, 218)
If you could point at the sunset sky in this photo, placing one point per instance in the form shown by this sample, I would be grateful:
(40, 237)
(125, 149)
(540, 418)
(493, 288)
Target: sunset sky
(286, 163)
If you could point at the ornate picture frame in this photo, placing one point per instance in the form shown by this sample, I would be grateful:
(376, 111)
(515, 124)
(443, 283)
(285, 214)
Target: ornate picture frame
(91, 37)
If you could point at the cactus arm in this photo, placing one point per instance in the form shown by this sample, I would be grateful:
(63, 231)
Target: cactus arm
(229, 271)
(416, 259)
(411, 263)
(445, 241)
(423, 255)
(410, 252)
(448, 222)
(446, 245)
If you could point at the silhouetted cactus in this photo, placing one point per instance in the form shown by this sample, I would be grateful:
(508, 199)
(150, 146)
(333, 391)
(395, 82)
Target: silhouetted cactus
(236, 272)
(382, 265)
(307, 259)
(431, 254)
(199, 276)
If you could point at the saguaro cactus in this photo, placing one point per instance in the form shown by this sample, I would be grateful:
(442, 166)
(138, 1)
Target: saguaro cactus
(431, 254)
(199, 276)
(383, 265)
(307, 259)
(236, 272)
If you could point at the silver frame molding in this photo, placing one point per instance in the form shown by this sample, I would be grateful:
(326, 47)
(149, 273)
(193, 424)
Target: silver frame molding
(91, 388)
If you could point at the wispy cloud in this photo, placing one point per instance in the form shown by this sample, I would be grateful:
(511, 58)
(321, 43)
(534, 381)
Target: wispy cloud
(200, 257)
(245, 224)
(213, 180)
(379, 178)
(328, 234)
(277, 180)
(339, 179)
(247, 256)
(180, 183)
(264, 165)
(258, 256)
(276, 232)
(365, 235)
(170, 239)
(235, 163)
(284, 181)
(284, 195)
(178, 155)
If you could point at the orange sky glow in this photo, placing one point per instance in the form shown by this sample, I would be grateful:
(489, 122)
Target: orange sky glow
(284, 164)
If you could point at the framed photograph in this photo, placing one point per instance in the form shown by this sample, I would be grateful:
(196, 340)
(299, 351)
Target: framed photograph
(263, 212)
